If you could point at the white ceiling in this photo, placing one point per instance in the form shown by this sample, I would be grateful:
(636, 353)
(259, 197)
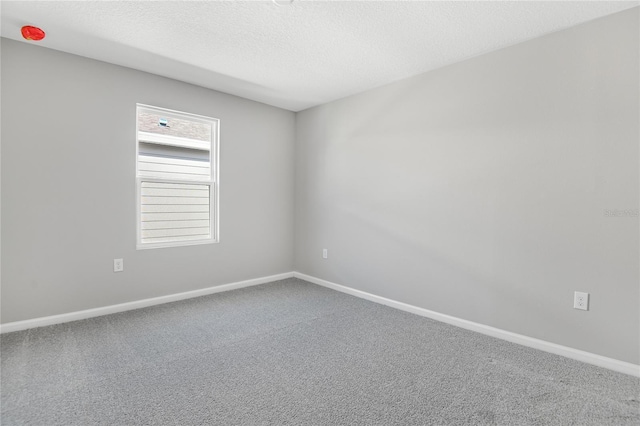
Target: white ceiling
(294, 55)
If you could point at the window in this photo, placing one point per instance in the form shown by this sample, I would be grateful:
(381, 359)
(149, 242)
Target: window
(177, 178)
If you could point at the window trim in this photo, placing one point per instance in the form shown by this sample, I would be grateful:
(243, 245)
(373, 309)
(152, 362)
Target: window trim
(213, 182)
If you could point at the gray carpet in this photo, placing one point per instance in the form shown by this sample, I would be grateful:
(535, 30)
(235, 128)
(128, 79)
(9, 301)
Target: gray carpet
(293, 353)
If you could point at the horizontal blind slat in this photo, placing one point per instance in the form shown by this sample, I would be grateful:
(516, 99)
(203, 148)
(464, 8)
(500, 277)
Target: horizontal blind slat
(179, 186)
(156, 233)
(173, 176)
(146, 200)
(175, 192)
(175, 224)
(174, 208)
(174, 239)
(160, 217)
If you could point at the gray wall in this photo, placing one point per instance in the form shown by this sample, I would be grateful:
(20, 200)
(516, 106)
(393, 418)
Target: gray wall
(479, 190)
(68, 186)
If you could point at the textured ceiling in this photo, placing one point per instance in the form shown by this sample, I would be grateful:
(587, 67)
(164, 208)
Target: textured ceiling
(292, 55)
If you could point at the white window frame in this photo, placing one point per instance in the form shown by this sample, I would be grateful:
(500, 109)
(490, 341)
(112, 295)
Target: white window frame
(213, 182)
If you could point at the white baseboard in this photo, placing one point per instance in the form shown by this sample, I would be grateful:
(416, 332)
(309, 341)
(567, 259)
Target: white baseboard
(112, 309)
(587, 357)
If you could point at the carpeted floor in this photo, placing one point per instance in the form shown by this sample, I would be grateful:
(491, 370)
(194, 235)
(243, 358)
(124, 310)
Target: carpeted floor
(293, 353)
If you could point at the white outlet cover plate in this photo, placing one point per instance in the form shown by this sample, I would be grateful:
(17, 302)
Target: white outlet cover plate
(581, 300)
(118, 265)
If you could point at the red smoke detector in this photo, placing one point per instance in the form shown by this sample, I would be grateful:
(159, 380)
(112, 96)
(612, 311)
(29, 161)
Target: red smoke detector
(32, 33)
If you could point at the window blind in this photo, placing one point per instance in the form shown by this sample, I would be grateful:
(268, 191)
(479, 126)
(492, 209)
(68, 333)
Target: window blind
(174, 212)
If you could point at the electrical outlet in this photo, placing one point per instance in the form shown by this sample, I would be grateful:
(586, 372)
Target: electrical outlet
(581, 301)
(325, 253)
(118, 265)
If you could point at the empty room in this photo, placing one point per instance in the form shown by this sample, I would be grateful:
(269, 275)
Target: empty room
(298, 212)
